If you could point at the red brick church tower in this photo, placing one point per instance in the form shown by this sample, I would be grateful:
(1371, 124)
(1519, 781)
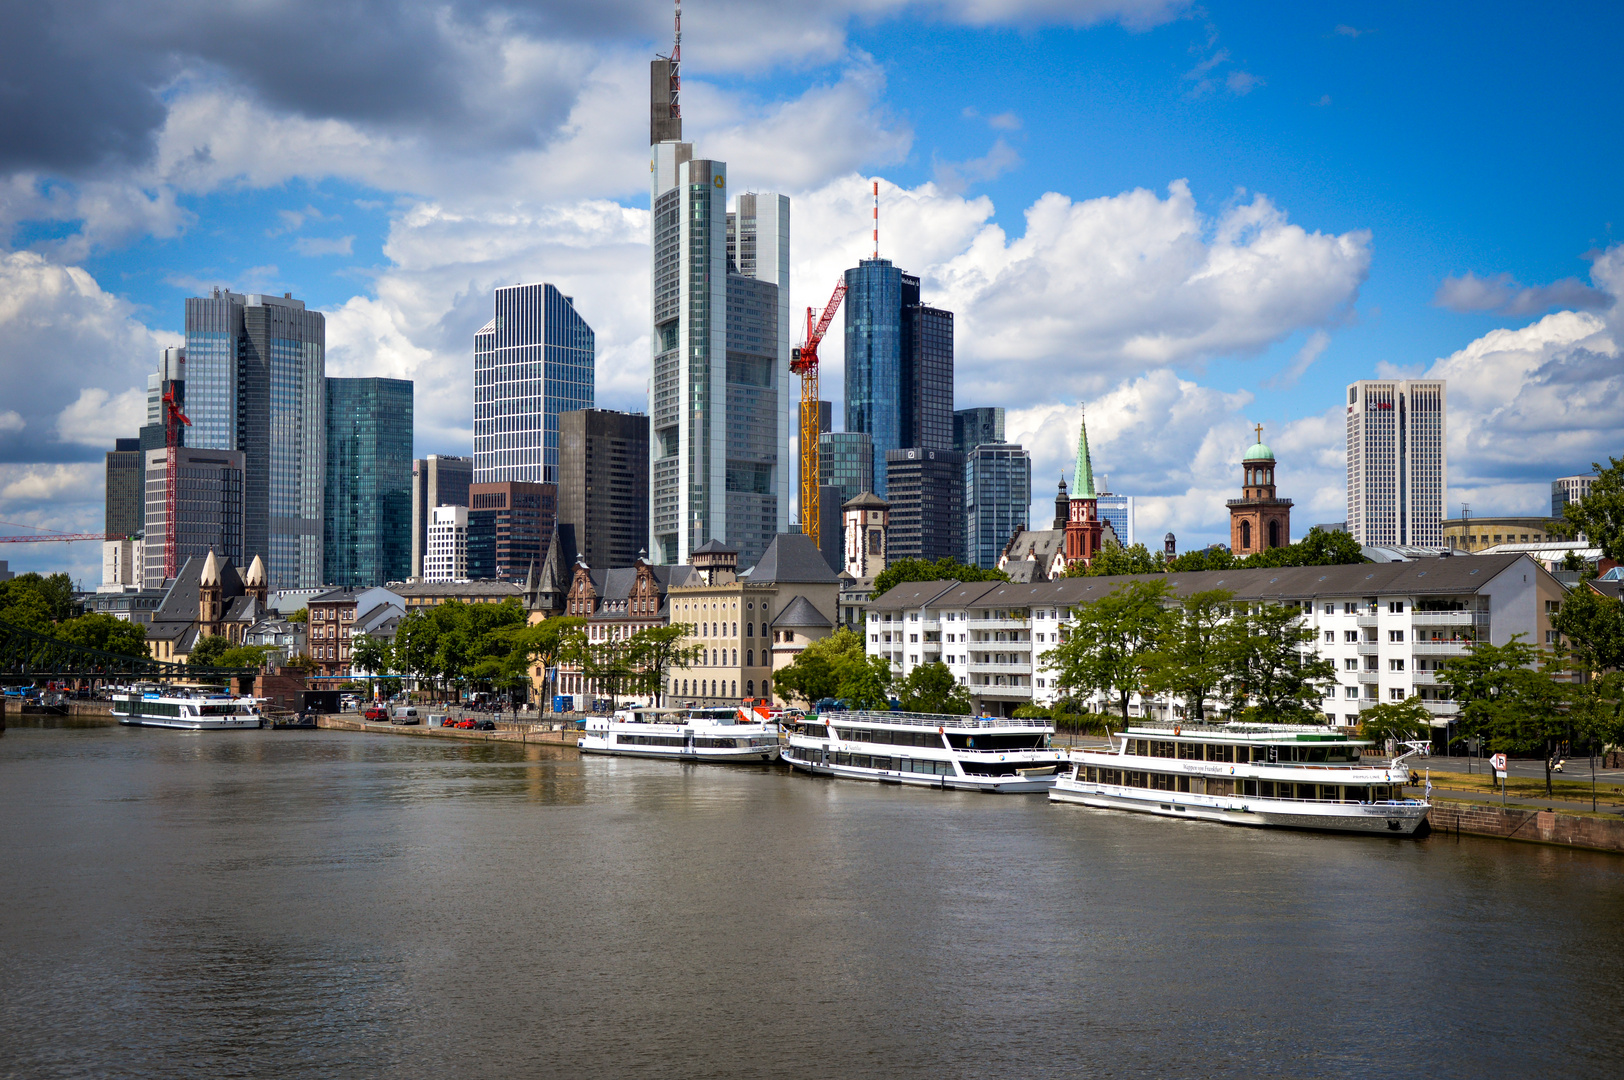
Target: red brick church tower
(1083, 526)
(1258, 520)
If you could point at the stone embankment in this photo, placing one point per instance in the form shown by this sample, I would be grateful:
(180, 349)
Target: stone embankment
(506, 730)
(1536, 826)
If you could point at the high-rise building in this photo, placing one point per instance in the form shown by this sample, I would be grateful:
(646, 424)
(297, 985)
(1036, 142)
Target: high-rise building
(927, 504)
(972, 427)
(846, 463)
(899, 364)
(720, 397)
(437, 480)
(1567, 489)
(368, 506)
(997, 500)
(209, 507)
(1397, 467)
(446, 556)
(255, 370)
(1118, 511)
(126, 508)
(603, 484)
(515, 520)
(532, 361)
(170, 377)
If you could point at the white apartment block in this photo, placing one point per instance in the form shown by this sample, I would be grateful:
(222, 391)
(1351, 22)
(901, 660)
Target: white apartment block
(447, 556)
(1386, 626)
(1397, 462)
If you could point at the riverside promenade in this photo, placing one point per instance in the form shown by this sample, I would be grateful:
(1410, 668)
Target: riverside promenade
(550, 733)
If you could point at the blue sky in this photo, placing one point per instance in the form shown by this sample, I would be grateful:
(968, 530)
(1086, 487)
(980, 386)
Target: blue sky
(1359, 180)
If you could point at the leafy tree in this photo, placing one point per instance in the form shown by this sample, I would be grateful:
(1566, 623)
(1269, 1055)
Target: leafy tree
(302, 663)
(1593, 627)
(1107, 642)
(544, 644)
(865, 682)
(106, 632)
(302, 615)
(1318, 548)
(49, 599)
(370, 654)
(1275, 673)
(1115, 560)
(1600, 516)
(821, 668)
(944, 569)
(1216, 557)
(654, 652)
(208, 650)
(931, 688)
(1395, 720)
(1505, 699)
(1191, 658)
(416, 643)
(244, 656)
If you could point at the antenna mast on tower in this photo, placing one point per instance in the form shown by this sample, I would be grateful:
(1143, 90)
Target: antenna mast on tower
(676, 68)
(876, 219)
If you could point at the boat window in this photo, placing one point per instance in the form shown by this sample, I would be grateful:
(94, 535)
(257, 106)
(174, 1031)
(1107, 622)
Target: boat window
(1191, 751)
(1317, 753)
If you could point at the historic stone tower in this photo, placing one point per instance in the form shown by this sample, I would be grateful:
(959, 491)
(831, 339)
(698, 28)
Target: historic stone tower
(865, 520)
(1258, 520)
(1083, 526)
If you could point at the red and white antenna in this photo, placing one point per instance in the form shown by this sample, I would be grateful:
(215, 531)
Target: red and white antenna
(676, 65)
(876, 219)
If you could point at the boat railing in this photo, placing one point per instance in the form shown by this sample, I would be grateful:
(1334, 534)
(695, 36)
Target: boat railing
(1259, 798)
(932, 720)
(1304, 765)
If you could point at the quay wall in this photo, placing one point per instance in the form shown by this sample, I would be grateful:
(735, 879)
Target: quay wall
(1535, 826)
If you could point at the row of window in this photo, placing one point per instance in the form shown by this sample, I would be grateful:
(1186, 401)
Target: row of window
(1258, 789)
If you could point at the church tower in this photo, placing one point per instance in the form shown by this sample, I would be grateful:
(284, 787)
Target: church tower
(1083, 525)
(1258, 520)
(865, 519)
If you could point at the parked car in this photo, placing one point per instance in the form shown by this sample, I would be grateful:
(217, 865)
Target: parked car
(376, 713)
(486, 725)
(405, 715)
(466, 725)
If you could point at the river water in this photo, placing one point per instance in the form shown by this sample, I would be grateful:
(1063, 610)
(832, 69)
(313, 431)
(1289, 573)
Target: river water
(335, 904)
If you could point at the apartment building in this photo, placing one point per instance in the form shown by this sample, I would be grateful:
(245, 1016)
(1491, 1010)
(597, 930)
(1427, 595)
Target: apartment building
(1387, 627)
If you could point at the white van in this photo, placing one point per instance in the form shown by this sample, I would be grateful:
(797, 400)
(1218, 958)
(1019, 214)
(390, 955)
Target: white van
(404, 715)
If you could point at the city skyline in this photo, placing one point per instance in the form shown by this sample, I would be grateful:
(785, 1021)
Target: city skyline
(401, 239)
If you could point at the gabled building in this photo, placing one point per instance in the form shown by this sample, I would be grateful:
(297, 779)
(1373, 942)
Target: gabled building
(208, 598)
(340, 615)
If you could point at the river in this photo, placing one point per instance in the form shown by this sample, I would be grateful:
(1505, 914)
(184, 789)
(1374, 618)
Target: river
(336, 904)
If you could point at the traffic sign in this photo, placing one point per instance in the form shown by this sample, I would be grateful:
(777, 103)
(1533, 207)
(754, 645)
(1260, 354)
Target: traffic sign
(1499, 763)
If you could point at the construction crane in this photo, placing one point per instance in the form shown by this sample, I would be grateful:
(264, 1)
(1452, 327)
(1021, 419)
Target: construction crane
(804, 362)
(173, 419)
(57, 536)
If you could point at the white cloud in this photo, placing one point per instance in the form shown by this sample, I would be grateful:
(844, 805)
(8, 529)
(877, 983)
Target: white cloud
(11, 420)
(955, 176)
(54, 498)
(1502, 294)
(96, 417)
(316, 246)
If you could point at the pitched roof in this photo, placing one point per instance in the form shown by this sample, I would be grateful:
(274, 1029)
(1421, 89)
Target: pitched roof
(802, 612)
(713, 546)
(792, 558)
(866, 501)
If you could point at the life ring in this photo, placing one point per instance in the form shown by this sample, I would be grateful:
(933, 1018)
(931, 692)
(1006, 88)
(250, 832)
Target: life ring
(1177, 728)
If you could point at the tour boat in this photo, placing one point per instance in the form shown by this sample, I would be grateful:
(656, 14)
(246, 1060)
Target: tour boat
(1283, 775)
(729, 734)
(194, 709)
(926, 750)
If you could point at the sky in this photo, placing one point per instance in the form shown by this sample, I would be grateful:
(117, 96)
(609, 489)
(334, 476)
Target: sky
(1187, 219)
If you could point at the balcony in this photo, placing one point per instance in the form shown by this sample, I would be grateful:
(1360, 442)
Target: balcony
(1366, 620)
(1369, 648)
(1448, 618)
(1370, 678)
(999, 624)
(1000, 669)
(1441, 648)
(1424, 678)
(1442, 708)
(1022, 692)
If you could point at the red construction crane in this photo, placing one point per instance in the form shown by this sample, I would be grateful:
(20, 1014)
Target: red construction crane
(173, 419)
(57, 536)
(804, 362)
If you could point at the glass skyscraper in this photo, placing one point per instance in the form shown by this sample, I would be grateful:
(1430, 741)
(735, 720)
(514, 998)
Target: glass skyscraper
(998, 500)
(846, 463)
(532, 361)
(258, 385)
(972, 427)
(368, 528)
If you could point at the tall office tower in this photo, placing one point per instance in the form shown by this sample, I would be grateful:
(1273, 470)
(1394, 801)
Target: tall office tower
(720, 397)
(899, 364)
(1397, 468)
(210, 507)
(437, 480)
(1118, 510)
(256, 382)
(532, 361)
(998, 500)
(368, 528)
(603, 484)
(170, 376)
(446, 556)
(927, 504)
(126, 509)
(846, 462)
(514, 520)
(972, 427)
(1564, 490)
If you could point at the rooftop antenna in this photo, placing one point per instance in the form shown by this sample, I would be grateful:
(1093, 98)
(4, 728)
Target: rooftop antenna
(876, 219)
(676, 68)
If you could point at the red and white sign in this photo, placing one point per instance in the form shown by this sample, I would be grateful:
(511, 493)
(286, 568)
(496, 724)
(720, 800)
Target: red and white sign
(1499, 763)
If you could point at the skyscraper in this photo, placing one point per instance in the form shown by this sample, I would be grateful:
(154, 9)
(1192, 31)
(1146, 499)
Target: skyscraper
(719, 398)
(437, 480)
(209, 507)
(256, 382)
(170, 377)
(927, 504)
(899, 364)
(972, 427)
(126, 489)
(509, 523)
(846, 463)
(1397, 466)
(532, 361)
(368, 538)
(997, 498)
(446, 556)
(603, 484)
(1564, 490)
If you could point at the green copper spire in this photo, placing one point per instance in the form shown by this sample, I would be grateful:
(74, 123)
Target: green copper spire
(1082, 481)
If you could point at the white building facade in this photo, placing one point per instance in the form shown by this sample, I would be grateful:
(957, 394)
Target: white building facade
(447, 556)
(1397, 462)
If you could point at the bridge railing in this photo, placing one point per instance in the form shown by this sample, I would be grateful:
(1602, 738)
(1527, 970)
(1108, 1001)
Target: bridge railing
(28, 656)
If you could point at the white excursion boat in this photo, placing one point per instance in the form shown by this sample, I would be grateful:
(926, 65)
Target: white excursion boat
(190, 708)
(729, 734)
(926, 750)
(1284, 775)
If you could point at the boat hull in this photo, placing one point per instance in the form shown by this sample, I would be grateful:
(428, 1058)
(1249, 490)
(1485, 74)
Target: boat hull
(202, 723)
(1384, 819)
(751, 755)
(998, 785)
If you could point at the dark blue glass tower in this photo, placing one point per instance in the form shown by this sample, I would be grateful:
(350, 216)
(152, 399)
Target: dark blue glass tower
(368, 524)
(874, 305)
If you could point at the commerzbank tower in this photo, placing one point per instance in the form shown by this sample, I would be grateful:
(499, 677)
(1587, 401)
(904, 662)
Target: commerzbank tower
(720, 401)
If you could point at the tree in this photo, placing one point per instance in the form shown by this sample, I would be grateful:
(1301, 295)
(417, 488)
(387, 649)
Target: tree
(543, 644)
(105, 632)
(1593, 627)
(370, 654)
(1107, 642)
(821, 668)
(1504, 699)
(1275, 673)
(1216, 557)
(931, 688)
(301, 616)
(416, 643)
(1318, 548)
(1395, 720)
(1114, 561)
(654, 652)
(51, 598)
(1190, 660)
(244, 657)
(944, 569)
(865, 683)
(208, 650)
(1600, 515)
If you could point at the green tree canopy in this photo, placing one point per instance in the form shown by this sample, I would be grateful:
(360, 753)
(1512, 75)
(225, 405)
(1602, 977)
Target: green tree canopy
(1108, 642)
(945, 569)
(1115, 561)
(1505, 699)
(821, 668)
(1275, 675)
(1396, 720)
(1215, 557)
(654, 652)
(931, 688)
(244, 656)
(1600, 515)
(1593, 627)
(208, 650)
(865, 682)
(106, 632)
(371, 654)
(1192, 657)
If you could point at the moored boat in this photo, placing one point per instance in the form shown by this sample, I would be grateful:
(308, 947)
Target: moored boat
(721, 735)
(985, 753)
(199, 708)
(1281, 775)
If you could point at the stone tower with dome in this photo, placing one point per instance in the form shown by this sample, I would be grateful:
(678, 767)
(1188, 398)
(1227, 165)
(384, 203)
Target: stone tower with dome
(1258, 519)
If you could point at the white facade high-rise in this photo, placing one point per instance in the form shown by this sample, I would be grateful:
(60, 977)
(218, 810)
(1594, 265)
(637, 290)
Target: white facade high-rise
(1397, 462)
